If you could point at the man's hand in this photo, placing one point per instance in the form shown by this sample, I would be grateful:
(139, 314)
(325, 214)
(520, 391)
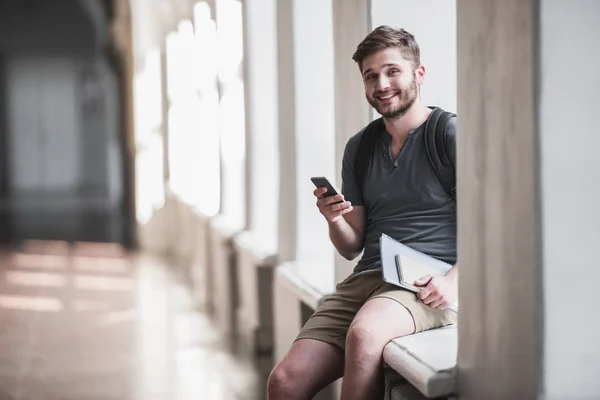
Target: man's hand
(331, 212)
(438, 291)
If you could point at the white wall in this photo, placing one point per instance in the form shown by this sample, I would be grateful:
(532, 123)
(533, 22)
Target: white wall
(570, 169)
(433, 22)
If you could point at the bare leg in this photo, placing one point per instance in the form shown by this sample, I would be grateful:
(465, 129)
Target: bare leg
(308, 367)
(378, 321)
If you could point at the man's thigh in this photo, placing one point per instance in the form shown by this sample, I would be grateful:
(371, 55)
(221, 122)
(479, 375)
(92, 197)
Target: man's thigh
(332, 319)
(424, 317)
(379, 321)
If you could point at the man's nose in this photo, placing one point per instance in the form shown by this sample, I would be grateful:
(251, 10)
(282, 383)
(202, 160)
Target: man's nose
(383, 83)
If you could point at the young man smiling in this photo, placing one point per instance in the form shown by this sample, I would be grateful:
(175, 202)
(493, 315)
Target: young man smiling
(400, 196)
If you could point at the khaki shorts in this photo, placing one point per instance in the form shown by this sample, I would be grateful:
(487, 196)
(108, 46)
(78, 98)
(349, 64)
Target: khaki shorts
(333, 317)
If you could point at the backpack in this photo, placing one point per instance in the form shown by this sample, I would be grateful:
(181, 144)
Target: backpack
(435, 145)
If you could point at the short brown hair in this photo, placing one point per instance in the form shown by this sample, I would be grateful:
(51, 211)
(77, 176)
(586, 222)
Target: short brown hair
(384, 37)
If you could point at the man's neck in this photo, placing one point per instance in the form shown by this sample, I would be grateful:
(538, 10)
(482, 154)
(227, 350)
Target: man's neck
(415, 116)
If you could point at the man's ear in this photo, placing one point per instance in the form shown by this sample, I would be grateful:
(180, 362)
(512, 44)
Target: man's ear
(420, 75)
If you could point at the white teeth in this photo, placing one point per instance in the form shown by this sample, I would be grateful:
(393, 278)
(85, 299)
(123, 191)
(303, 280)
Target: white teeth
(386, 97)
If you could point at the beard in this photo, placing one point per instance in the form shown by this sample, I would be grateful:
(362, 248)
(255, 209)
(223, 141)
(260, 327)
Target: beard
(406, 98)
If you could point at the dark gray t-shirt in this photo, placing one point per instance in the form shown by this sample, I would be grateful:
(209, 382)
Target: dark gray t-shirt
(403, 198)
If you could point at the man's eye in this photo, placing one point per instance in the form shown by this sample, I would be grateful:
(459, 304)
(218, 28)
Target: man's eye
(370, 77)
(394, 71)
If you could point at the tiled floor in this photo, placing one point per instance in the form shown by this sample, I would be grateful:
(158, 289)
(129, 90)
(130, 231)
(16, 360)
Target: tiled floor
(90, 323)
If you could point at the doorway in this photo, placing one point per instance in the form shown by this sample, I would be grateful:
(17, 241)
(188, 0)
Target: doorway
(62, 168)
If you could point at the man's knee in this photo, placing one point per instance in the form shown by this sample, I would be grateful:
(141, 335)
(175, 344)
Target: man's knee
(362, 340)
(281, 383)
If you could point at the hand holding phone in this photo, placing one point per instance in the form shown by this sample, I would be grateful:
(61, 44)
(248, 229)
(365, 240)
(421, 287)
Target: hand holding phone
(321, 181)
(330, 202)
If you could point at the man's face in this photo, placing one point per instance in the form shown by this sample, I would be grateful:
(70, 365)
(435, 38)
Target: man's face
(391, 82)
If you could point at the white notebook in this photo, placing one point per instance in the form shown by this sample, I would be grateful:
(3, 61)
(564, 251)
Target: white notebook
(402, 265)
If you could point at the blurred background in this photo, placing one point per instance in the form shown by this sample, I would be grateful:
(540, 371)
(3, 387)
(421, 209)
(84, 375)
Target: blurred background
(159, 238)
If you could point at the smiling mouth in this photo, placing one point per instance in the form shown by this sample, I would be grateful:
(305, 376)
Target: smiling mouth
(387, 97)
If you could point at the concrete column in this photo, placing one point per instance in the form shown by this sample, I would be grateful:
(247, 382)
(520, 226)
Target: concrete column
(498, 201)
(352, 111)
(123, 37)
(528, 180)
(287, 120)
(165, 104)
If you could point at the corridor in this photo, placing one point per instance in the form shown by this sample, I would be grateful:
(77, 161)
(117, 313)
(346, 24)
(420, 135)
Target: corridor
(90, 322)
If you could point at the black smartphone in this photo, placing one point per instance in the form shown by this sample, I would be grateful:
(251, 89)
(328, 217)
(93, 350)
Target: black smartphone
(321, 181)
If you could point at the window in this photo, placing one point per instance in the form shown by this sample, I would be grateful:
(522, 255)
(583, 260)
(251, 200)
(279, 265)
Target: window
(231, 110)
(148, 137)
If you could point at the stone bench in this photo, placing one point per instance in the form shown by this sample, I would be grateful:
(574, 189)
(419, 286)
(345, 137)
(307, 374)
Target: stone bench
(421, 366)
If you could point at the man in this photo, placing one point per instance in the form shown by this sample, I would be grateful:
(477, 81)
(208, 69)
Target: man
(401, 197)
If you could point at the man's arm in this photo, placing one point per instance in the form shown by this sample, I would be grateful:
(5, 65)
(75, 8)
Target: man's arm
(346, 223)
(347, 219)
(348, 233)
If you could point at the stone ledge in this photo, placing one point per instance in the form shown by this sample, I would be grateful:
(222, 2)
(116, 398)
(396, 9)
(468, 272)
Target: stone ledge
(224, 226)
(246, 241)
(306, 289)
(427, 360)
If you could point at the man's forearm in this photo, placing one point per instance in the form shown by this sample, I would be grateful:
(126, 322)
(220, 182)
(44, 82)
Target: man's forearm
(345, 238)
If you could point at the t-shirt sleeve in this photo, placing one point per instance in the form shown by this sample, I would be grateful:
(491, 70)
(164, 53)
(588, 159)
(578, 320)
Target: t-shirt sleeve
(350, 188)
(450, 138)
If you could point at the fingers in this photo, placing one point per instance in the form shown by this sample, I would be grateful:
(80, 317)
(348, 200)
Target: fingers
(339, 214)
(427, 296)
(332, 199)
(332, 207)
(332, 204)
(333, 212)
(440, 304)
(423, 281)
(335, 206)
(430, 294)
(436, 293)
(322, 200)
(319, 192)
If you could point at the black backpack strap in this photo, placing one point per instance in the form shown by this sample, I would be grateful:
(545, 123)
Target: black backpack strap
(437, 151)
(366, 149)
